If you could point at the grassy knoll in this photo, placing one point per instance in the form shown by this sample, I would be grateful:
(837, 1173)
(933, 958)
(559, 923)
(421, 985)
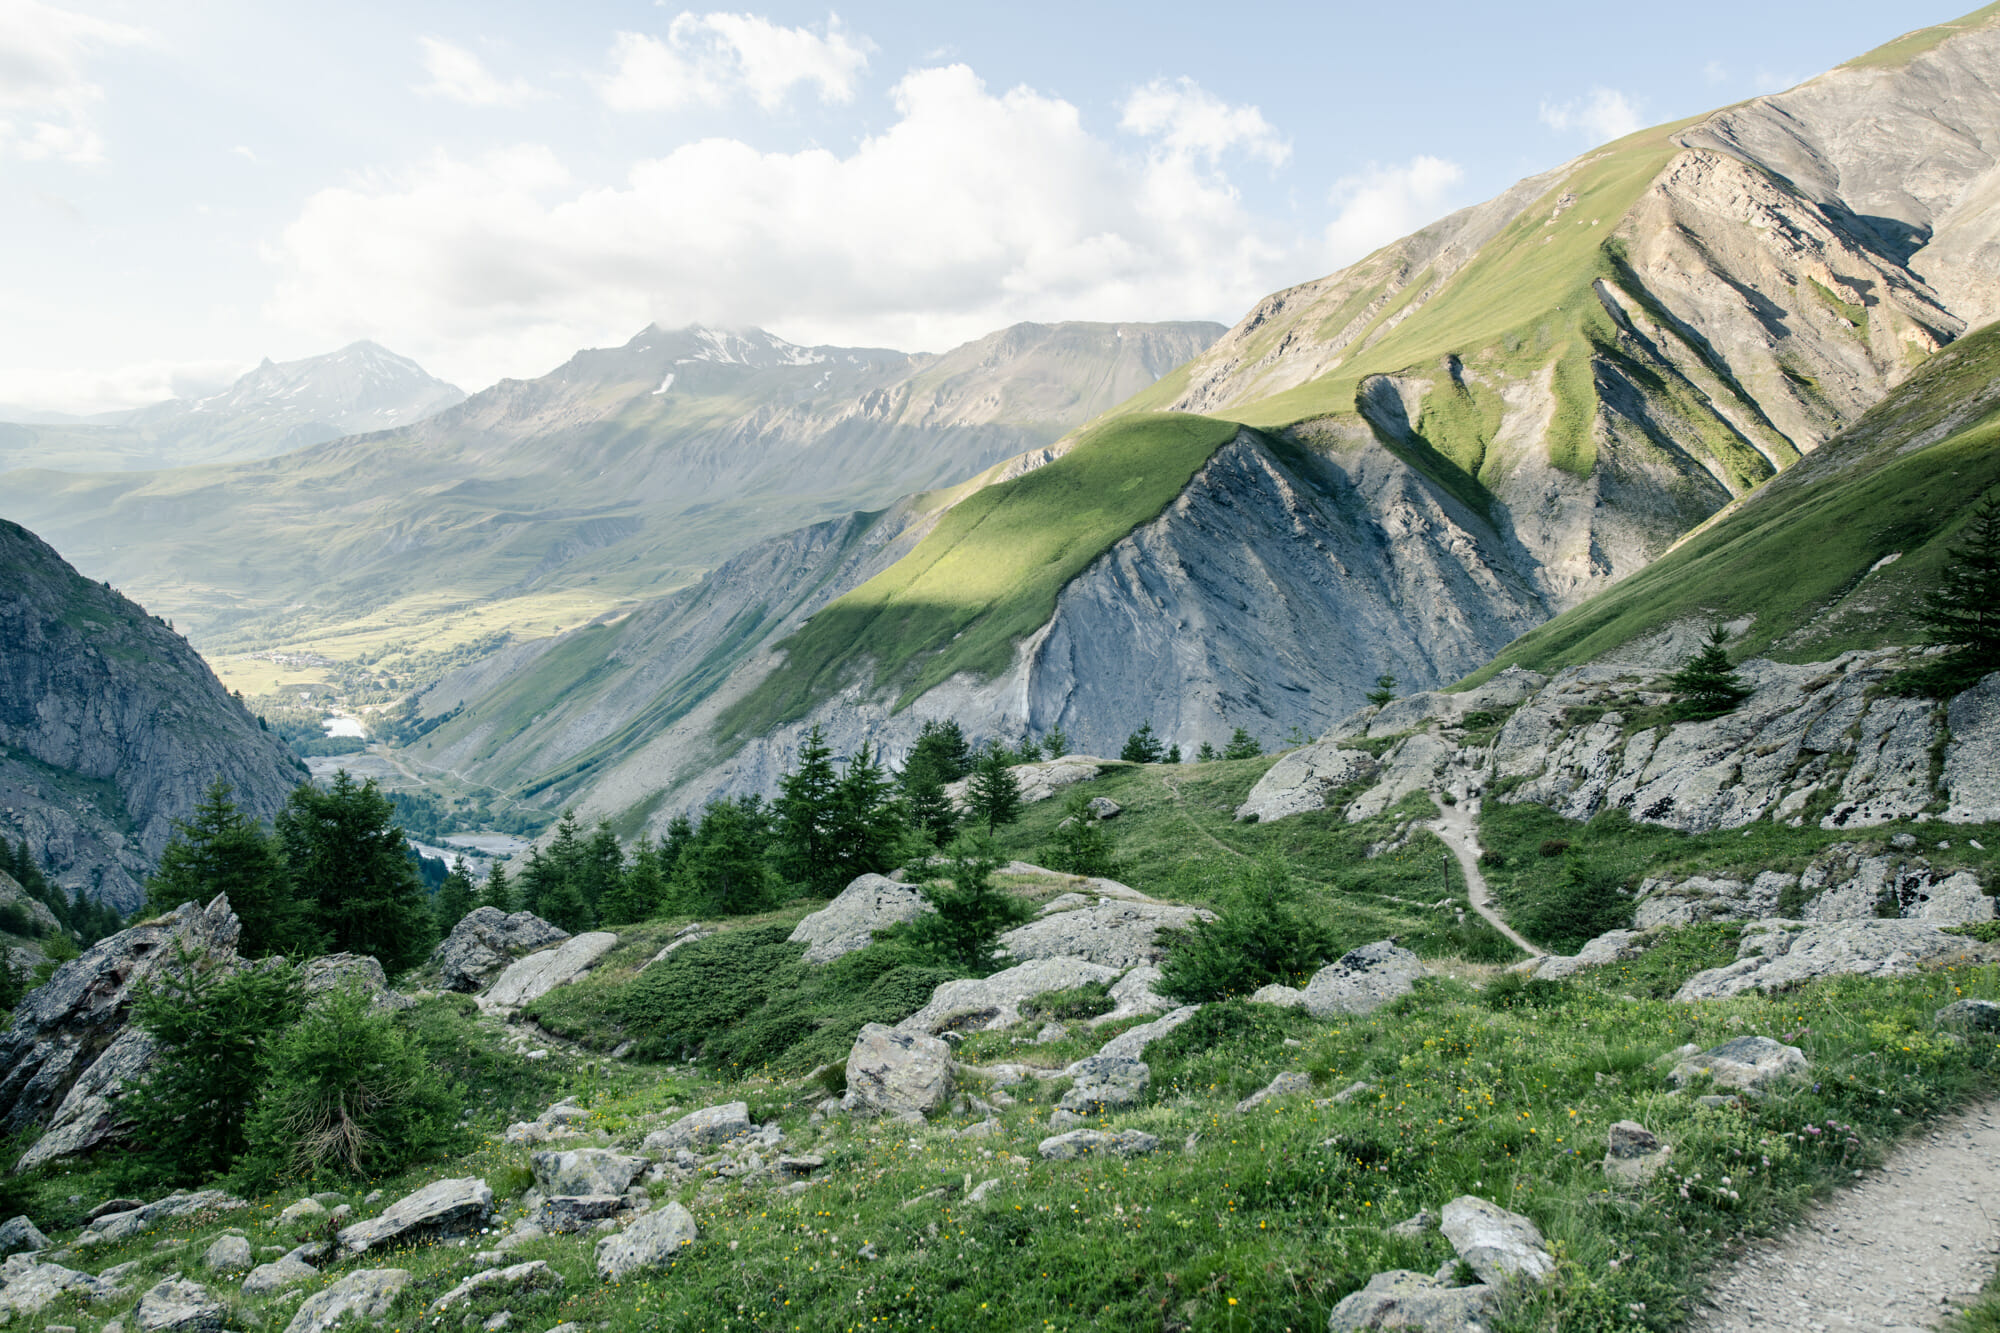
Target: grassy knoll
(1896, 54)
(990, 571)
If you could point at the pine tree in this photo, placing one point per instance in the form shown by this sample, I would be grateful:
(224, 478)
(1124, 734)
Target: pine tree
(724, 870)
(1242, 745)
(1029, 751)
(218, 849)
(1143, 747)
(453, 899)
(929, 807)
(805, 809)
(1173, 754)
(941, 749)
(1705, 682)
(496, 892)
(602, 867)
(1384, 691)
(971, 914)
(1206, 754)
(641, 891)
(1055, 742)
(1963, 610)
(867, 823)
(994, 794)
(1081, 846)
(348, 864)
(534, 881)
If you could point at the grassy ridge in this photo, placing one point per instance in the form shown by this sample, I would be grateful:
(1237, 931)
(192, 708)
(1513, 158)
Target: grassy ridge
(989, 573)
(1896, 54)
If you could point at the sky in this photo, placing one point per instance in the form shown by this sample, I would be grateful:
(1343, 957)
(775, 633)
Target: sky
(188, 186)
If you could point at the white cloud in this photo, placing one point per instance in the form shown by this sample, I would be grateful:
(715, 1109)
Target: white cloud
(460, 76)
(248, 154)
(87, 391)
(970, 211)
(1605, 115)
(1387, 203)
(1187, 120)
(706, 58)
(1715, 72)
(45, 95)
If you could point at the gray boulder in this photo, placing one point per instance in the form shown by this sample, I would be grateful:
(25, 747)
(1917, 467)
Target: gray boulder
(1499, 1245)
(588, 1170)
(229, 1254)
(535, 1275)
(1133, 995)
(32, 1286)
(1287, 1084)
(1634, 1154)
(1304, 780)
(1105, 1083)
(1113, 933)
(339, 971)
(19, 1235)
(360, 1297)
(701, 1129)
(1131, 1044)
(1777, 954)
(440, 1209)
(1097, 1143)
(849, 922)
(1965, 1015)
(891, 1072)
(1614, 946)
(1972, 759)
(61, 1030)
(1744, 1063)
(120, 1226)
(1363, 980)
(1037, 781)
(485, 941)
(564, 1214)
(1664, 902)
(1402, 1299)
(288, 1271)
(1103, 807)
(176, 1306)
(539, 973)
(650, 1241)
(983, 1003)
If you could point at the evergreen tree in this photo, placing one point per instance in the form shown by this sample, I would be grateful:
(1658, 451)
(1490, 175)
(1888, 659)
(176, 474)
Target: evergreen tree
(929, 808)
(1260, 936)
(1055, 742)
(1242, 745)
(724, 869)
(1963, 611)
(867, 823)
(347, 863)
(994, 794)
(602, 867)
(641, 892)
(1081, 846)
(534, 881)
(454, 898)
(1206, 754)
(1384, 691)
(807, 797)
(1029, 751)
(1143, 747)
(1173, 755)
(680, 832)
(1705, 682)
(496, 892)
(971, 914)
(218, 849)
(941, 749)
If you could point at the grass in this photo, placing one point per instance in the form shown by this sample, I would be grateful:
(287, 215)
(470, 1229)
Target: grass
(1899, 53)
(990, 571)
(1860, 499)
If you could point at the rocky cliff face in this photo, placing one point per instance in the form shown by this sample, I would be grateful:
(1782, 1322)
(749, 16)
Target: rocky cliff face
(111, 727)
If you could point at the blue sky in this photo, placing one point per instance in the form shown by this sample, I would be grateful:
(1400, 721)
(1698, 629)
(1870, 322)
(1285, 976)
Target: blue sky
(189, 185)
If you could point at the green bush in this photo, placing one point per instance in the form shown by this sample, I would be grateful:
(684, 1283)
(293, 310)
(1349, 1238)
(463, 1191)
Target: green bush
(347, 1094)
(1067, 1006)
(1259, 937)
(1564, 916)
(1081, 846)
(971, 914)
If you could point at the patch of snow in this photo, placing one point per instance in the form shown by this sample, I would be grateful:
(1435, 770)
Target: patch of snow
(665, 384)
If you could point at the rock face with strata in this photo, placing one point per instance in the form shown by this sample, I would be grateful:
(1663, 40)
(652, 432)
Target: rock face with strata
(983, 1003)
(1111, 933)
(849, 922)
(892, 1071)
(485, 941)
(536, 975)
(1776, 954)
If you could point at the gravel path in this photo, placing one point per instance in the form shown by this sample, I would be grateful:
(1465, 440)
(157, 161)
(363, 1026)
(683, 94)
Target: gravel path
(1896, 1252)
(1458, 825)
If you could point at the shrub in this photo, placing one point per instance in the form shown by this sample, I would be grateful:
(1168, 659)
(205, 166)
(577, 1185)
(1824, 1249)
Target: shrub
(1553, 846)
(1258, 938)
(1565, 916)
(1066, 1006)
(971, 913)
(1081, 846)
(347, 1094)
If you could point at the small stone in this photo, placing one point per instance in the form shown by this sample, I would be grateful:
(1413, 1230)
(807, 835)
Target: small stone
(1092, 1142)
(1744, 1063)
(1966, 1015)
(498, 1321)
(1498, 1244)
(1633, 1153)
(535, 1275)
(1422, 1224)
(1284, 1085)
(701, 1129)
(303, 1213)
(1402, 1299)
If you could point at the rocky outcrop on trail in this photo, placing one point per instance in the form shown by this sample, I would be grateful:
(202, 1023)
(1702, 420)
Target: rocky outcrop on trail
(485, 941)
(849, 922)
(1777, 954)
(69, 1047)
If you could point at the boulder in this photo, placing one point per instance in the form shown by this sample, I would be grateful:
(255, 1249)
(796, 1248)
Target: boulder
(1103, 807)
(588, 1170)
(32, 1286)
(61, 1030)
(849, 922)
(1096, 1142)
(893, 1072)
(1744, 1063)
(362, 1297)
(443, 1208)
(229, 1254)
(176, 1306)
(303, 1213)
(1614, 946)
(1965, 1015)
(701, 1129)
(1634, 1154)
(338, 971)
(983, 1003)
(1304, 780)
(1775, 954)
(1131, 1044)
(1499, 1245)
(692, 933)
(1132, 995)
(485, 941)
(1105, 1083)
(1283, 996)
(1402, 1299)
(650, 1241)
(539, 973)
(18, 1235)
(1972, 759)
(1037, 781)
(120, 1226)
(1287, 1084)
(1115, 934)
(277, 1275)
(533, 1276)
(564, 1214)
(1664, 902)
(110, 1206)
(1363, 980)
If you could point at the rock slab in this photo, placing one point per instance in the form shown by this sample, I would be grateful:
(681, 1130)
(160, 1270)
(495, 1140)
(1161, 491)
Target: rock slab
(1744, 1063)
(649, 1242)
(1500, 1246)
(363, 1296)
(891, 1072)
(849, 922)
(442, 1208)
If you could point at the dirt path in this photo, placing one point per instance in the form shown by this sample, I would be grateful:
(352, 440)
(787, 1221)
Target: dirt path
(1896, 1252)
(1458, 825)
